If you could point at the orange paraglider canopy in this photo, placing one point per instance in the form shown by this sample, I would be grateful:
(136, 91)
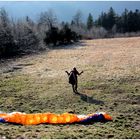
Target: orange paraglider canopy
(51, 118)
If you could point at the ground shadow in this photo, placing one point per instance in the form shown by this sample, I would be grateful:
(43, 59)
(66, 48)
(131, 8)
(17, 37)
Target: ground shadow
(69, 46)
(90, 100)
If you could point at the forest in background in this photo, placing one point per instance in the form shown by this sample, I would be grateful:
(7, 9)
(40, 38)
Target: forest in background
(26, 36)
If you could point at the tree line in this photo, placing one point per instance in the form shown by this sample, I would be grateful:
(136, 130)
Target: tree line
(128, 21)
(26, 35)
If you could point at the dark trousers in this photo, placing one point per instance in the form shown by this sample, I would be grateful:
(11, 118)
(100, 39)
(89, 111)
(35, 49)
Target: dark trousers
(74, 87)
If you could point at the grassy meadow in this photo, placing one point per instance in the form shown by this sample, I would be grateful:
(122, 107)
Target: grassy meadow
(110, 83)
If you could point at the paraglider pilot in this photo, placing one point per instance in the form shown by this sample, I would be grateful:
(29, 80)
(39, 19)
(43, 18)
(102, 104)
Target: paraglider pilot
(73, 80)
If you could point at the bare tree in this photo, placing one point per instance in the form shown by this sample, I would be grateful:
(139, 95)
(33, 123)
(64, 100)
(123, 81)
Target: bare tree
(6, 38)
(77, 19)
(48, 18)
(26, 35)
(4, 19)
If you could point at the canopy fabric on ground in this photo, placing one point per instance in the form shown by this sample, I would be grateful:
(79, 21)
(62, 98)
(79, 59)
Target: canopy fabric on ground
(51, 118)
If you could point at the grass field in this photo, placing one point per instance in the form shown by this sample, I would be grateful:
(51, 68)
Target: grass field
(110, 83)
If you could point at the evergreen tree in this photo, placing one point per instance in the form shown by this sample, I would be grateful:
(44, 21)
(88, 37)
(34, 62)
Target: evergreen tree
(119, 24)
(111, 18)
(52, 36)
(137, 17)
(72, 22)
(130, 22)
(125, 21)
(107, 20)
(89, 21)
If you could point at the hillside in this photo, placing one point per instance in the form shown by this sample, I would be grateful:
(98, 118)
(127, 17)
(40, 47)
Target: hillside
(110, 83)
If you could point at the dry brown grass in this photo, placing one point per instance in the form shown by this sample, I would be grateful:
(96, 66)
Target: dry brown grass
(110, 57)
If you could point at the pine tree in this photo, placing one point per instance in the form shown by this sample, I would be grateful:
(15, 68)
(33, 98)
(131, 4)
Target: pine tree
(111, 18)
(125, 21)
(89, 21)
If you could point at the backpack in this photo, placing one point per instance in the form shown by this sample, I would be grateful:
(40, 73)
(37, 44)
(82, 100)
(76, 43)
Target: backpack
(72, 78)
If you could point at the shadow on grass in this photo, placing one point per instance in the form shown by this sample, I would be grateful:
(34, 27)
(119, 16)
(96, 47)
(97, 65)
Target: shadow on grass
(90, 100)
(69, 46)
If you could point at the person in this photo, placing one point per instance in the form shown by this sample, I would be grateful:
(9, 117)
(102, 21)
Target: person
(73, 80)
